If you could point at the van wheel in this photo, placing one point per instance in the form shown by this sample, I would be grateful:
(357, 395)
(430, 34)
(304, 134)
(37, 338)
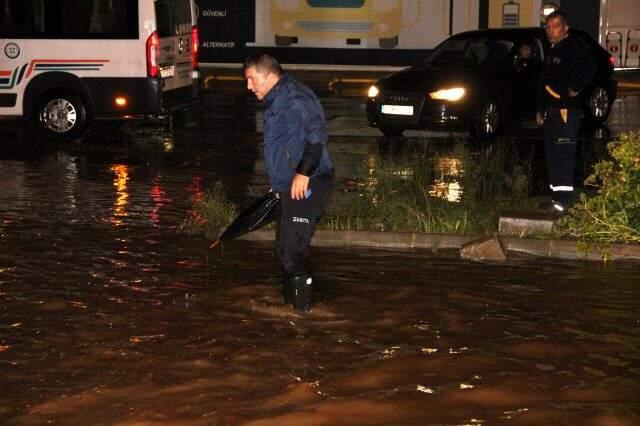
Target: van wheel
(61, 115)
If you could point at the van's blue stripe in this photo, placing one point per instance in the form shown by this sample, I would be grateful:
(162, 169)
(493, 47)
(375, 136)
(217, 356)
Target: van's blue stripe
(9, 84)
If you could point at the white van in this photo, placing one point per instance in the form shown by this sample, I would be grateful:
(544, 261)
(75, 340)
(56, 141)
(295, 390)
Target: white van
(65, 63)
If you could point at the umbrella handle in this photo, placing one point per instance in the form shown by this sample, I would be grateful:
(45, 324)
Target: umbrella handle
(213, 244)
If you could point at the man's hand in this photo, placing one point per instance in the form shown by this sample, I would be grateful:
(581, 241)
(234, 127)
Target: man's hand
(299, 186)
(539, 119)
(572, 93)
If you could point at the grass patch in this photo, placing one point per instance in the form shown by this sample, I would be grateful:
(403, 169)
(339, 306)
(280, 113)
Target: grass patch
(213, 210)
(414, 191)
(461, 193)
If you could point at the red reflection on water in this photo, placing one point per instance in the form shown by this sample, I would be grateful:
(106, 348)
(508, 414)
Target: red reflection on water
(197, 195)
(158, 195)
(195, 188)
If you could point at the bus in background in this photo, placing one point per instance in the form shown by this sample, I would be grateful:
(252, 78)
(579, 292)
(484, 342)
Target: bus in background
(345, 21)
(66, 63)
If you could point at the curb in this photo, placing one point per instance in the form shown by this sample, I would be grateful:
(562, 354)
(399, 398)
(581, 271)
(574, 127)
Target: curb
(624, 85)
(560, 249)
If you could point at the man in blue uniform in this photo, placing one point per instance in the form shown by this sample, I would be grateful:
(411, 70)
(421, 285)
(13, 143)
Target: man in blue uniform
(568, 70)
(298, 165)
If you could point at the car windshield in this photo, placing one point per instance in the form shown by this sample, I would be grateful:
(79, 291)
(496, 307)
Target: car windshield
(469, 53)
(450, 52)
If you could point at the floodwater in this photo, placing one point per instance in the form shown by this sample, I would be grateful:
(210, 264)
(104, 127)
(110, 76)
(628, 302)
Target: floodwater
(109, 315)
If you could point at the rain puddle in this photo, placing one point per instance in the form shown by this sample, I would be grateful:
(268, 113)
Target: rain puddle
(110, 316)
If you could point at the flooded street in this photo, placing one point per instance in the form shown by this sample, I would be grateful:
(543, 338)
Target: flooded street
(109, 315)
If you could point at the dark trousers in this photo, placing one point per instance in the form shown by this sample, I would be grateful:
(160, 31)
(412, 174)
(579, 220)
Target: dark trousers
(297, 222)
(560, 139)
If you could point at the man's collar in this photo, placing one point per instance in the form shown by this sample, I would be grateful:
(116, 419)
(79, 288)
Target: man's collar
(271, 95)
(560, 41)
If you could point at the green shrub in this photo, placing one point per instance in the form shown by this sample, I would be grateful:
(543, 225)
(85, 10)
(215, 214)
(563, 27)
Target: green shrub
(613, 214)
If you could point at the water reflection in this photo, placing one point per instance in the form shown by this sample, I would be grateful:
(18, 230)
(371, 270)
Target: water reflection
(447, 185)
(195, 188)
(120, 180)
(168, 144)
(159, 198)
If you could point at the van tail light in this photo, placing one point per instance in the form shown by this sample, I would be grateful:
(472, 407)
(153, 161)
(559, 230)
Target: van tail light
(612, 61)
(195, 42)
(153, 52)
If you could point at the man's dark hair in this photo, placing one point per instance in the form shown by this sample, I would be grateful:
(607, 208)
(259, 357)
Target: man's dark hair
(264, 64)
(558, 14)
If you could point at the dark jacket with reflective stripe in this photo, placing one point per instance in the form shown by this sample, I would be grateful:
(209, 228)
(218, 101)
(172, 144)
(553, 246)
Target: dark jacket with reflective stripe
(568, 66)
(294, 134)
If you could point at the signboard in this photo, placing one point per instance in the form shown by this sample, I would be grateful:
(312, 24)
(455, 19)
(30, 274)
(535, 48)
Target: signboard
(225, 27)
(358, 32)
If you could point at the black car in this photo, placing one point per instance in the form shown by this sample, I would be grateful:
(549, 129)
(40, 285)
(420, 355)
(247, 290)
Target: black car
(479, 81)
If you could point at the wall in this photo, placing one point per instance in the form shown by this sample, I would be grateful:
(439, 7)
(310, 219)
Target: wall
(364, 34)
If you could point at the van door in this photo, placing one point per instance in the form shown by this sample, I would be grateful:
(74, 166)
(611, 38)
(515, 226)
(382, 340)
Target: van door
(175, 21)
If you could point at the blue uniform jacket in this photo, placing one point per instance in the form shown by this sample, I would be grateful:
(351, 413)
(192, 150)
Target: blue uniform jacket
(293, 118)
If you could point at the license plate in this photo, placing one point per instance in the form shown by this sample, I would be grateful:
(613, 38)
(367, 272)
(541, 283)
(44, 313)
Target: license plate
(167, 72)
(397, 109)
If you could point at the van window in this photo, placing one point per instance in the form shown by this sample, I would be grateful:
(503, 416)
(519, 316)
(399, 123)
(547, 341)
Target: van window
(68, 19)
(173, 17)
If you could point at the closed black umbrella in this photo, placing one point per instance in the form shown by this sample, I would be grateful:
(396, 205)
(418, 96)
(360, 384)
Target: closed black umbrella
(257, 215)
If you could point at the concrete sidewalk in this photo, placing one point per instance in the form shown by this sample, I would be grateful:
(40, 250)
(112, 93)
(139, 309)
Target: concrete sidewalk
(628, 79)
(414, 240)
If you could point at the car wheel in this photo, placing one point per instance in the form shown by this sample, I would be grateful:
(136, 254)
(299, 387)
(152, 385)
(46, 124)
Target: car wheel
(61, 115)
(392, 131)
(598, 105)
(486, 122)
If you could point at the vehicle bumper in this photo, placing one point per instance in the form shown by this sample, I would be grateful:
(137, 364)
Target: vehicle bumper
(144, 96)
(431, 116)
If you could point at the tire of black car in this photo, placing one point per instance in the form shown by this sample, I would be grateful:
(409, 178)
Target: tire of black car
(61, 115)
(486, 122)
(597, 105)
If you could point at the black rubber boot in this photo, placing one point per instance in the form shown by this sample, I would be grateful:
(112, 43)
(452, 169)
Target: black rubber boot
(301, 292)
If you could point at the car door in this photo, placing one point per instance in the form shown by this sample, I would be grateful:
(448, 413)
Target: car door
(489, 57)
(526, 68)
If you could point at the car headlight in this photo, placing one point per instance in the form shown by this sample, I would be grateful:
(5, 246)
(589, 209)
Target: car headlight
(453, 94)
(288, 4)
(373, 92)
